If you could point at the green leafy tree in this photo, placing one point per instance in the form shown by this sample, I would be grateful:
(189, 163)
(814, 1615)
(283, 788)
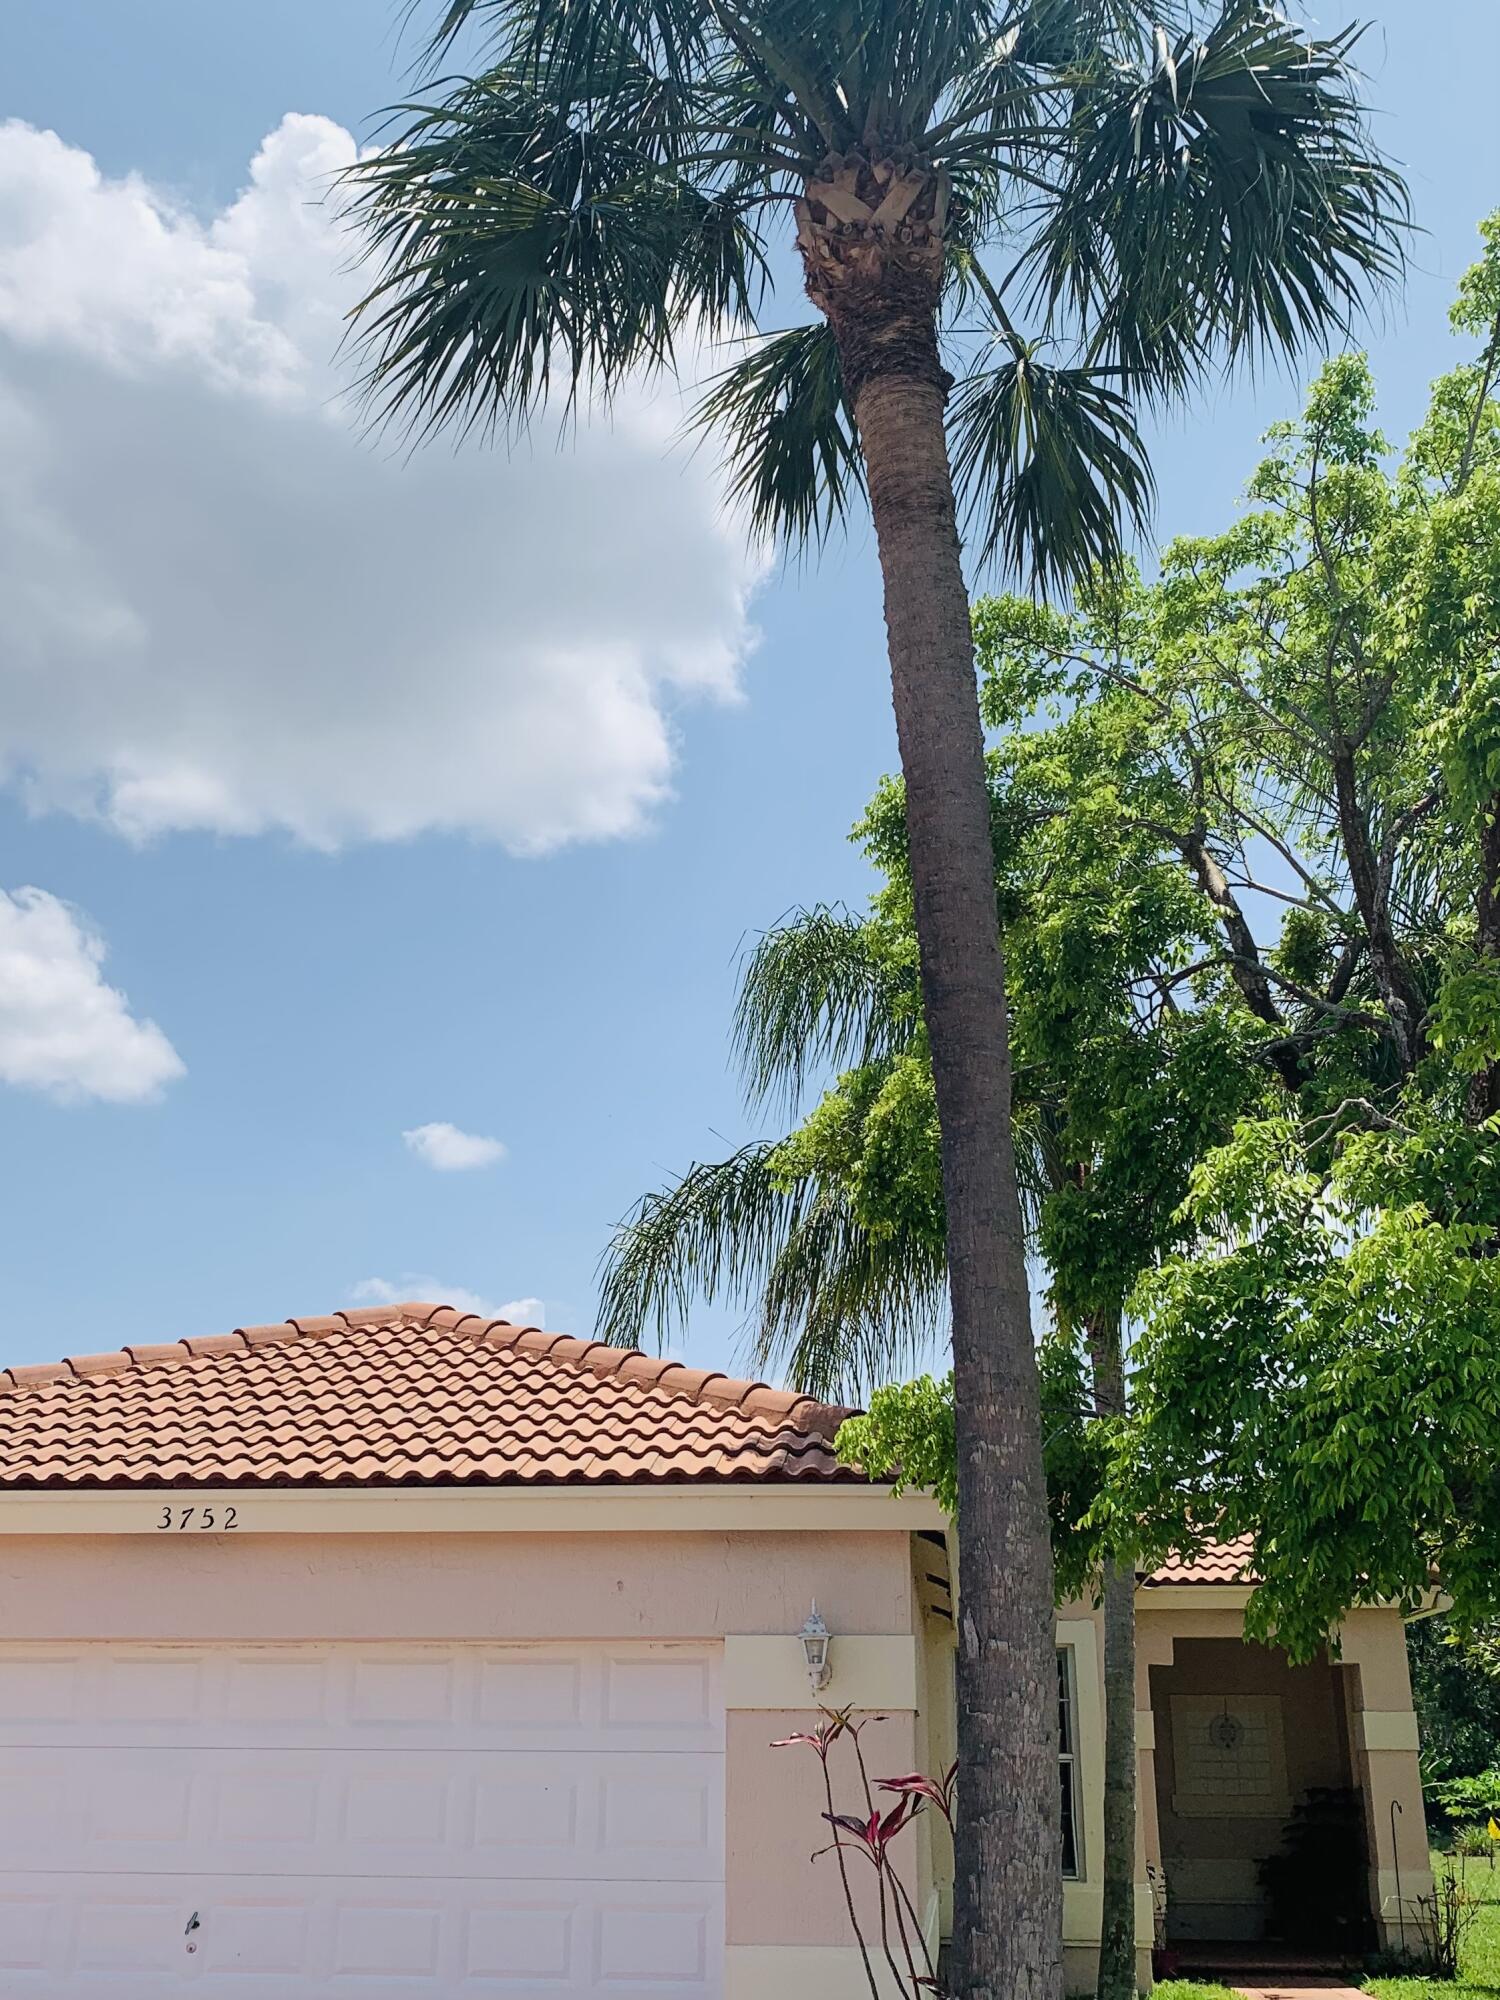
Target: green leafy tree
(1317, 1366)
(1455, 1687)
(619, 171)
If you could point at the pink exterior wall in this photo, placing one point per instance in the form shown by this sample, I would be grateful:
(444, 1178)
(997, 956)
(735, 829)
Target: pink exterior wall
(774, 1895)
(455, 1586)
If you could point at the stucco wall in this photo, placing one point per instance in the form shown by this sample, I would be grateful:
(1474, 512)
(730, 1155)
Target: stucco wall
(474, 1586)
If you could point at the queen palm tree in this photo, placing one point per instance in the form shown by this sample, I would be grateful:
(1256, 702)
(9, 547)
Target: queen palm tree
(1061, 204)
(837, 1306)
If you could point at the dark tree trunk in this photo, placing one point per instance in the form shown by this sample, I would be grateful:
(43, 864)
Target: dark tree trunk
(1371, 885)
(1008, 1891)
(1484, 1090)
(1117, 1935)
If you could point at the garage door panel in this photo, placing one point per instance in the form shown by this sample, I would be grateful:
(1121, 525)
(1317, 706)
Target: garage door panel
(28, 1928)
(38, 1686)
(502, 1823)
(341, 1813)
(560, 1940)
(650, 1697)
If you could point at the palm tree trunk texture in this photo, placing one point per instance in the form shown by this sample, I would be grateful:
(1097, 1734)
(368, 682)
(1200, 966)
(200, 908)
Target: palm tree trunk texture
(1008, 1891)
(1117, 1933)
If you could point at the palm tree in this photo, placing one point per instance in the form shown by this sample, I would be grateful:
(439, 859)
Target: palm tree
(619, 172)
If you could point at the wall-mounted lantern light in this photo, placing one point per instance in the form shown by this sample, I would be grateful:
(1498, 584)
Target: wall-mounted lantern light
(816, 1641)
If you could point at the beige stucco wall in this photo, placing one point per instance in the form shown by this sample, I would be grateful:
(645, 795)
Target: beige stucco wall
(1383, 1741)
(475, 1586)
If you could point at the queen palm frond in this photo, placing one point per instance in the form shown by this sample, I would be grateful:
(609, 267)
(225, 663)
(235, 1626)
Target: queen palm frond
(815, 992)
(712, 1233)
(829, 1304)
(844, 1308)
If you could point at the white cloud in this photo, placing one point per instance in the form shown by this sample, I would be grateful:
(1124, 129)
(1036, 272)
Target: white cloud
(422, 1285)
(450, 1151)
(62, 1030)
(223, 608)
(523, 1312)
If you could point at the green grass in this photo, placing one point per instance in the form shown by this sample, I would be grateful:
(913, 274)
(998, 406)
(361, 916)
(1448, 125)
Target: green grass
(1192, 1989)
(1479, 1961)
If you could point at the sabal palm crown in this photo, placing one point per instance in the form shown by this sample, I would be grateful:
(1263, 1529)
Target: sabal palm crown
(619, 173)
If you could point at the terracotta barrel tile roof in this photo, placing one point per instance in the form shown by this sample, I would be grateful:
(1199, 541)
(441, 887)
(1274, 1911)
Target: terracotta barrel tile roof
(1215, 1562)
(396, 1395)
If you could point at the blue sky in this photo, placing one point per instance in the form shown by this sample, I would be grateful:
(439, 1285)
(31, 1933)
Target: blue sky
(336, 925)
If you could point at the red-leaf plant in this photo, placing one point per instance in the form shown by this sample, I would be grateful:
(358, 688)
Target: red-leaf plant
(871, 1837)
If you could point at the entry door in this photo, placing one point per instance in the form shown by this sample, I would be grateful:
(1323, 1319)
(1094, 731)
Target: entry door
(386, 1822)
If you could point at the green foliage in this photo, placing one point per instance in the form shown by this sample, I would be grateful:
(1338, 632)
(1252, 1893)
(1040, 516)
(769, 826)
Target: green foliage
(1315, 1365)
(788, 434)
(907, 1437)
(1465, 1019)
(1318, 1372)
(1054, 467)
(1472, 1798)
(876, 1132)
(1455, 1684)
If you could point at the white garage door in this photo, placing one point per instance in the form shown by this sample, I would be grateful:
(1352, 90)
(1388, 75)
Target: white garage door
(538, 1823)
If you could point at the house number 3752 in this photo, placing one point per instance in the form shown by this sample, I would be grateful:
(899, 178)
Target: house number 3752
(197, 1518)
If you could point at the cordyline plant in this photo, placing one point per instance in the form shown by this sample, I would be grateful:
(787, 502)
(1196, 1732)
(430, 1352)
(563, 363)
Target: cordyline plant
(1069, 205)
(870, 1837)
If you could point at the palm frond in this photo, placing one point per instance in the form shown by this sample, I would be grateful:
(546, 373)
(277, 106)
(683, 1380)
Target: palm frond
(1223, 196)
(511, 245)
(815, 992)
(830, 1305)
(789, 439)
(846, 1308)
(713, 1233)
(1051, 468)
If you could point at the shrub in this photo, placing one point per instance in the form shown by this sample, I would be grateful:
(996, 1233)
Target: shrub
(1458, 1799)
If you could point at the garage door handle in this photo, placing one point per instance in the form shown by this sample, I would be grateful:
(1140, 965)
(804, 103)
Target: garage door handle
(193, 1924)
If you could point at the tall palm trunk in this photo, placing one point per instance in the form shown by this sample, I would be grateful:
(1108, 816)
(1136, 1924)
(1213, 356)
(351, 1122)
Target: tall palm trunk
(871, 235)
(1117, 1935)
(1008, 1892)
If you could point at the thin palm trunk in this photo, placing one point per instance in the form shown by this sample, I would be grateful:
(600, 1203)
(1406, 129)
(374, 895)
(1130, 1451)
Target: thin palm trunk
(1117, 1934)
(1008, 1891)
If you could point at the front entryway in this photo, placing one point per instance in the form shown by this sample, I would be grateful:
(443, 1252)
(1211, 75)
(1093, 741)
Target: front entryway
(1263, 1836)
(396, 1822)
